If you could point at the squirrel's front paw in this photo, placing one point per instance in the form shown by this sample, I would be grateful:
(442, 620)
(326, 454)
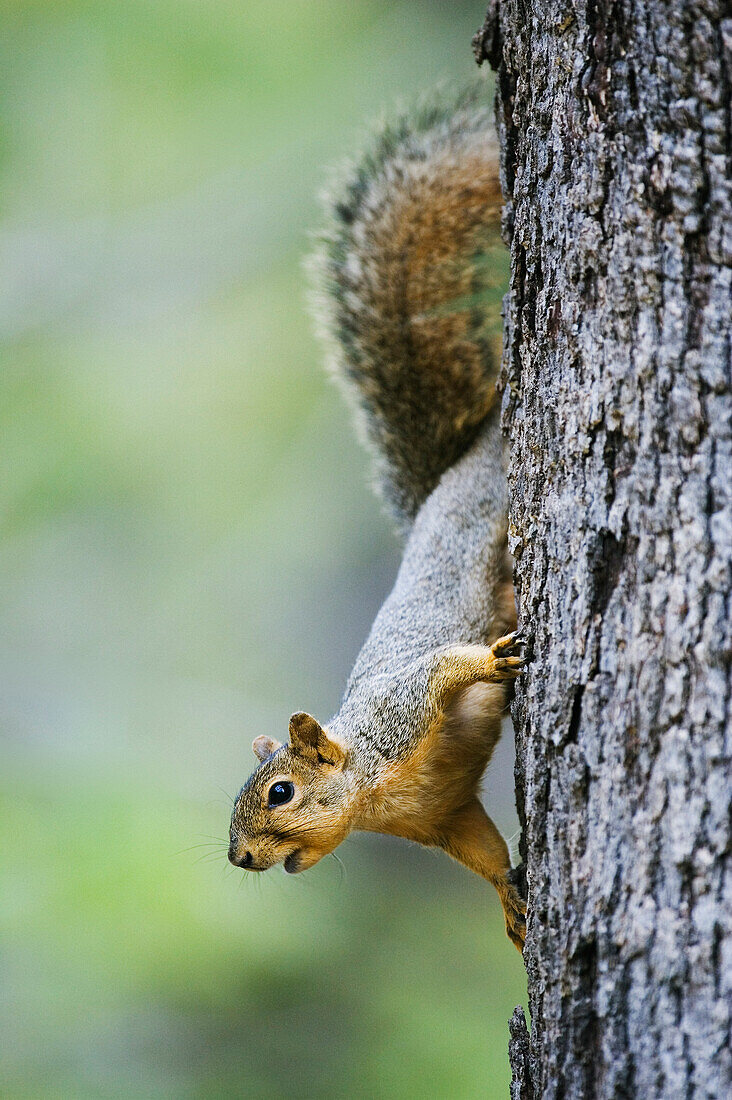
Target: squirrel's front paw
(509, 655)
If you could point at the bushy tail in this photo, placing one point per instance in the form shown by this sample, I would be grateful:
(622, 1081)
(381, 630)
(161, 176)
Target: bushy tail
(410, 274)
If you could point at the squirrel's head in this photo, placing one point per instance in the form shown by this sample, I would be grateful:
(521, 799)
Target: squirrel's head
(294, 808)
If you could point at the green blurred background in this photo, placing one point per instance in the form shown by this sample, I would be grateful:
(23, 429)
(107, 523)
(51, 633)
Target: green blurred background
(191, 552)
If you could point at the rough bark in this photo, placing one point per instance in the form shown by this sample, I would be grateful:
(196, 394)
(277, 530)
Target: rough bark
(614, 118)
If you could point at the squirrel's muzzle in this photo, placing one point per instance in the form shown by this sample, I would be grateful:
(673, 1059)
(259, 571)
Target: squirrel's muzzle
(246, 860)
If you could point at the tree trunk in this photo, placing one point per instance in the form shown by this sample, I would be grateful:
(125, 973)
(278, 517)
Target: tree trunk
(614, 120)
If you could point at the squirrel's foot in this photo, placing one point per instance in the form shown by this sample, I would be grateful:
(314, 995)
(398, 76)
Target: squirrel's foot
(514, 911)
(509, 655)
(516, 876)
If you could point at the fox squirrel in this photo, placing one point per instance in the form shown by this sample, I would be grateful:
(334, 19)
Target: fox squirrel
(404, 278)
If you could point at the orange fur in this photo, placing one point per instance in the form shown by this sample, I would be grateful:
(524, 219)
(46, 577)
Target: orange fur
(425, 241)
(430, 796)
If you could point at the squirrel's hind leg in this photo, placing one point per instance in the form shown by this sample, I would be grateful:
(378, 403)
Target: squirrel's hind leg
(470, 837)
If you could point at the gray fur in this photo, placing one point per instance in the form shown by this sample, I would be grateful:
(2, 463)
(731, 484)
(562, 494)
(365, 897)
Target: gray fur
(443, 595)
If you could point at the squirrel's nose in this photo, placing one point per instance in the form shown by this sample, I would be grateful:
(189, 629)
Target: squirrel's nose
(243, 861)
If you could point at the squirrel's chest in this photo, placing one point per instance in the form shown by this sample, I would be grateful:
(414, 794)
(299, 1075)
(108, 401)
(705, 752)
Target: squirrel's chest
(413, 794)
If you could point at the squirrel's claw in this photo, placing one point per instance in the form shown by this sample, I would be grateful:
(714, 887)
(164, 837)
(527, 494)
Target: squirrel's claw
(509, 655)
(509, 643)
(514, 911)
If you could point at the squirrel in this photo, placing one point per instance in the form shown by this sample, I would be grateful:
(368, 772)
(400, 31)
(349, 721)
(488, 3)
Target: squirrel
(404, 280)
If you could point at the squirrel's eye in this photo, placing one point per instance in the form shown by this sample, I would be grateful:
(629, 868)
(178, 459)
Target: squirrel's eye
(279, 793)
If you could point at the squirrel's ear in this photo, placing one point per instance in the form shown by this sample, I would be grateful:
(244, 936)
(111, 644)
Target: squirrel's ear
(308, 737)
(262, 747)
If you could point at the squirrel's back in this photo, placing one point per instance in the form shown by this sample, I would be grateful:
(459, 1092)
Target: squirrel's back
(409, 280)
